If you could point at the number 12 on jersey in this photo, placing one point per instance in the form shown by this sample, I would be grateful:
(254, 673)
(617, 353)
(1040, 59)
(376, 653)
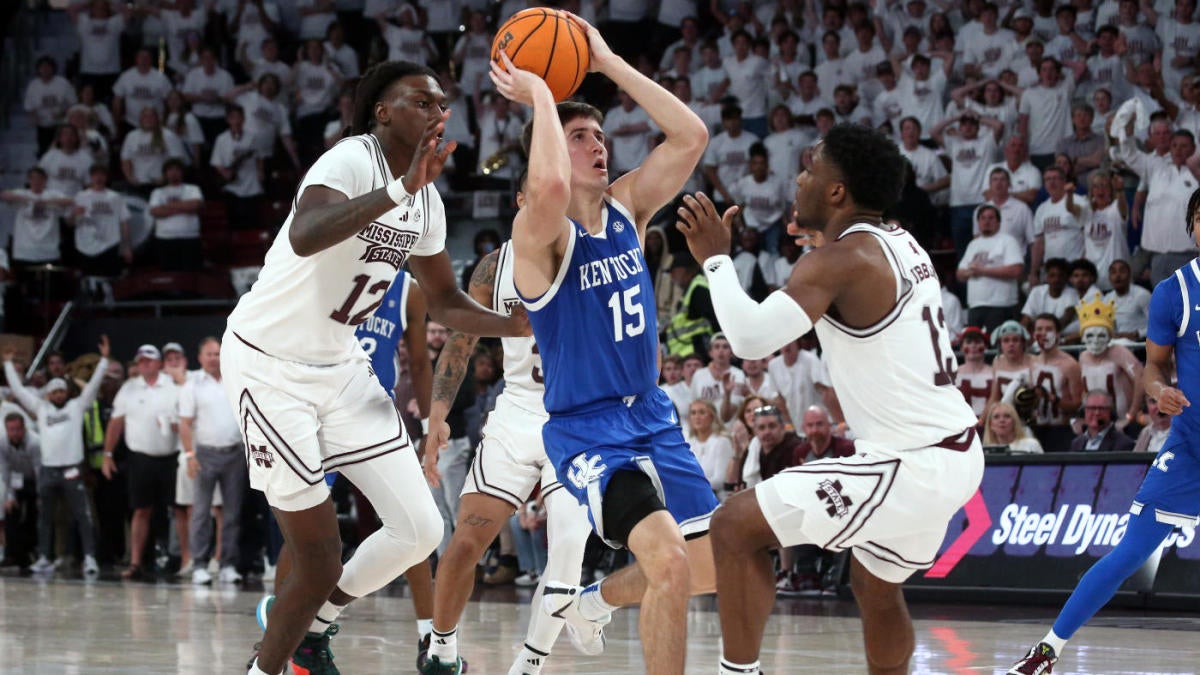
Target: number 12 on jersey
(625, 304)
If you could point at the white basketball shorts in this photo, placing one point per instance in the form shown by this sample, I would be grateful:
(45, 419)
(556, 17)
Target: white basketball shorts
(300, 420)
(891, 508)
(511, 458)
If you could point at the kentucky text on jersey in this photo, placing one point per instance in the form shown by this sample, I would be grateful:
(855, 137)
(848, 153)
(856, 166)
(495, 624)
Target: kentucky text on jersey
(601, 272)
(378, 325)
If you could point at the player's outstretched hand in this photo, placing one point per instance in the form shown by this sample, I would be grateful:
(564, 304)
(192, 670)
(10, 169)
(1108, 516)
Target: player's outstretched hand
(1172, 401)
(600, 55)
(437, 439)
(516, 85)
(428, 161)
(707, 233)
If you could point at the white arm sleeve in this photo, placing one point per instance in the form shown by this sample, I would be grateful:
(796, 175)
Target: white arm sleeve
(755, 330)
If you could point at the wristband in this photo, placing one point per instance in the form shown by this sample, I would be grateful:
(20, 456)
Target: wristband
(398, 192)
(425, 426)
(108, 454)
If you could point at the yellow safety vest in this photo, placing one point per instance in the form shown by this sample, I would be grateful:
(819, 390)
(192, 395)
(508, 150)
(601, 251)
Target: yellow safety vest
(682, 331)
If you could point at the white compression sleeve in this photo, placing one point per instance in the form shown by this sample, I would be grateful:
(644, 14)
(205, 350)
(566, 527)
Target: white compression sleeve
(755, 330)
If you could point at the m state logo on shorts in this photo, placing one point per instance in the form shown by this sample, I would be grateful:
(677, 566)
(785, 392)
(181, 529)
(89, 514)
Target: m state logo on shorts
(838, 504)
(261, 456)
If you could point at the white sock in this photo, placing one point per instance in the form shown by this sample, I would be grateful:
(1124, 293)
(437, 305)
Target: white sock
(1056, 642)
(730, 668)
(255, 670)
(592, 604)
(326, 615)
(444, 645)
(424, 627)
(529, 661)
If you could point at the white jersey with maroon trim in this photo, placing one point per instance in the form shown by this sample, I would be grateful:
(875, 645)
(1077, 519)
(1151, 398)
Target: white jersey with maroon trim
(305, 309)
(895, 379)
(523, 382)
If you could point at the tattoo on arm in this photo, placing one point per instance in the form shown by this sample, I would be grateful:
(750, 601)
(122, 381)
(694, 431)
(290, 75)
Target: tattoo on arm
(455, 358)
(476, 521)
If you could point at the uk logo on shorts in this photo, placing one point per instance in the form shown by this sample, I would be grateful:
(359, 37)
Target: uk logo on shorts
(261, 456)
(584, 470)
(838, 504)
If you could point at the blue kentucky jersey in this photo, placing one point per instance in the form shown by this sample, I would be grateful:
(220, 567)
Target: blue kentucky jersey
(596, 324)
(380, 334)
(1175, 322)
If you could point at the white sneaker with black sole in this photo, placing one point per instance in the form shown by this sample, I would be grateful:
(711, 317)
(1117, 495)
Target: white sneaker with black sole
(562, 601)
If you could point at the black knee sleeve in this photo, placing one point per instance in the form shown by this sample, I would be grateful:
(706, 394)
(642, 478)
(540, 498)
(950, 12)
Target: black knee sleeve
(629, 498)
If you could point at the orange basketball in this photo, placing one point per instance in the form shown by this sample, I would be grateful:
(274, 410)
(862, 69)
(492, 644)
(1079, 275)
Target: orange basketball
(546, 42)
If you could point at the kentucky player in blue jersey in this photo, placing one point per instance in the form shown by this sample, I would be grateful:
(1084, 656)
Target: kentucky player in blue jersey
(1170, 494)
(612, 434)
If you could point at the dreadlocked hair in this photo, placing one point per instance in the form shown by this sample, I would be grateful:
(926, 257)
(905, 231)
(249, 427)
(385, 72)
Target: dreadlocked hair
(1193, 204)
(372, 86)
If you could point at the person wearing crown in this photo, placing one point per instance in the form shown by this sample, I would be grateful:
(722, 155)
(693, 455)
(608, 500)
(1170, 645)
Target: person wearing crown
(1106, 366)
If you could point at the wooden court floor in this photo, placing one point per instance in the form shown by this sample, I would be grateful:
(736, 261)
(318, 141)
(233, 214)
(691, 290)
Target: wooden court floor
(70, 626)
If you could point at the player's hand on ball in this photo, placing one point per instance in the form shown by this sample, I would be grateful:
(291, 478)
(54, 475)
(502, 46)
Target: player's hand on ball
(599, 51)
(428, 161)
(437, 438)
(707, 233)
(1172, 401)
(516, 85)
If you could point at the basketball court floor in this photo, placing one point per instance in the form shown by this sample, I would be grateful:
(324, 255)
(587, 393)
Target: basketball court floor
(70, 626)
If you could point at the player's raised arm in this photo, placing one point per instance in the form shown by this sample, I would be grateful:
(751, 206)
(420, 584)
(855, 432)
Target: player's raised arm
(325, 216)
(539, 226)
(663, 174)
(791, 311)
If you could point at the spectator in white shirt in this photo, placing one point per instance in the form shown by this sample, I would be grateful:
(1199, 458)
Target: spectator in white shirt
(831, 70)
(1169, 185)
(236, 158)
(473, 56)
(764, 197)
(101, 222)
(807, 101)
(35, 237)
(675, 386)
(1133, 302)
(1057, 223)
(802, 379)
(861, 65)
(267, 117)
(212, 442)
(1052, 297)
(971, 152)
(991, 49)
(784, 144)
(749, 76)
(1045, 112)
(930, 172)
(185, 125)
(252, 21)
(921, 92)
(727, 155)
(60, 427)
(718, 381)
(144, 151)
(99, 32)
(710, 81)
(176, 211)
(316, 83)
(269, 62)
(315, 17)
(1105, 238)
(408, 40)
(1025, 180)
(991, 267)
(145, 413)
(205, 89)
(689, 31)
(46, 100)
(1016, 220)
(629, 131)
(342, 54)
(753, 264)
(708, 441)
(139, 88)
(67, 163)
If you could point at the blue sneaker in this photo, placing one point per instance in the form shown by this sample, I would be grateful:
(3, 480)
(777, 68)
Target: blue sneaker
(263, 609)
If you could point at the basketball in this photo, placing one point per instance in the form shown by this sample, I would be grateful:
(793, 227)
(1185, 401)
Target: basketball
(546, 42)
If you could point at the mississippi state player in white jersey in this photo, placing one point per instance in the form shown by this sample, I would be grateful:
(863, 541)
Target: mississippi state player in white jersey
(509, 462)
(308, 400)
(875, 301)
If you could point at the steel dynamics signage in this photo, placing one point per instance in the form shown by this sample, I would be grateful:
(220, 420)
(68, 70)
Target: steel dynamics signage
(1039, 523)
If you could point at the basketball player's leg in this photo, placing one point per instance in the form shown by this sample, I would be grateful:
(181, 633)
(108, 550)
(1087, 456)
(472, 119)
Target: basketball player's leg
(313, 549)
(480, 518)
(567, 531)
(741, 548)
(887, 627)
